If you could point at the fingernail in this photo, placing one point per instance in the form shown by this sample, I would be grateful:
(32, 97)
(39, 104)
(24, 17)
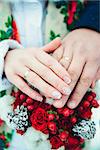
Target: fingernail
(71, 104)
(58, 104)
(67, 80)
(66, 91)
(56, 94)
(39, 98)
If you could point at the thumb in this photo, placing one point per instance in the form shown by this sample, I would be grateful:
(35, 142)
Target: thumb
(52, 46)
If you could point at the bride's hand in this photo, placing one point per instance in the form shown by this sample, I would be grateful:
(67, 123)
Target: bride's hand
(80, 55)
(39, 69)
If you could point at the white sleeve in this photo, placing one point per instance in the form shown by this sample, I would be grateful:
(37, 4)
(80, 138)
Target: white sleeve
(4, 47)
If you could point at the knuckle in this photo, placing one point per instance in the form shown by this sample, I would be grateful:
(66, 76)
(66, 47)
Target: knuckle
(57, 83)
(77, 94)
(33, 78)
(45, 73)
(51, 63)
(73, 75)
(86, 81)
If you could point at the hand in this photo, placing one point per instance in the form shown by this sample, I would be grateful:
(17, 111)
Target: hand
(43, 71)
(80, 55)
(96, 79)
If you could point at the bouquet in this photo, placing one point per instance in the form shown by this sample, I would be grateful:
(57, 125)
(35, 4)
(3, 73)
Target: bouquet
(45, 127)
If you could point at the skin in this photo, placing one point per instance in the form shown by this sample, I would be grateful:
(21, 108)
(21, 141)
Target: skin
(45, 72)
(82, 47)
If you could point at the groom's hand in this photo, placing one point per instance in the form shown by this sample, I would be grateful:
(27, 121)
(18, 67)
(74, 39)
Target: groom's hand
(80, 55)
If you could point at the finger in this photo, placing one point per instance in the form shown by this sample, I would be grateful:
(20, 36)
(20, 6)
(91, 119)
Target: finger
(83, 85)
(53, 65)
(39, 83)
(58, 53)
(60, 103)
(93, 84)
(23, 86)
(67, 58)
(75, 70)
(97, 77)
(49, 76)
(52, 46)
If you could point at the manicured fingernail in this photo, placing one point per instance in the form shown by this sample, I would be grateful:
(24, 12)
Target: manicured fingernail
(66, 91)
(67, 80)
(71, 104)
(39, 98)
(56, 94)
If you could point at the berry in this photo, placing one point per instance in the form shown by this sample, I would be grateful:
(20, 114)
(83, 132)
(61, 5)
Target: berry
(93, 94)
(29, 100)
(80, 109)
(86, 104)
(51, 117)
(25, 104)
(30, 107)
(2, 137)
(90, 98)
(66, 112)
(17, 94)
(95, 103)
(22, 97)
(52, 126)
(73, 120)
(63, 136)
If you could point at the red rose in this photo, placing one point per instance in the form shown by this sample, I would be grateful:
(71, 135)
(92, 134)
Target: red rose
(73, 143)
(56, 142)
(38, 119)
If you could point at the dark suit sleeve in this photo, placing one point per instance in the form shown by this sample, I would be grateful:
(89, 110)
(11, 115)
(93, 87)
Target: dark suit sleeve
(90, 16)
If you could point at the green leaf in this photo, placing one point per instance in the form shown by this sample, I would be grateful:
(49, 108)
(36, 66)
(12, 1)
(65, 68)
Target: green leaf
(53, 35)
(9, 20)
(7, 25)
(3, 35)
(63, 10)
(2, 93)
